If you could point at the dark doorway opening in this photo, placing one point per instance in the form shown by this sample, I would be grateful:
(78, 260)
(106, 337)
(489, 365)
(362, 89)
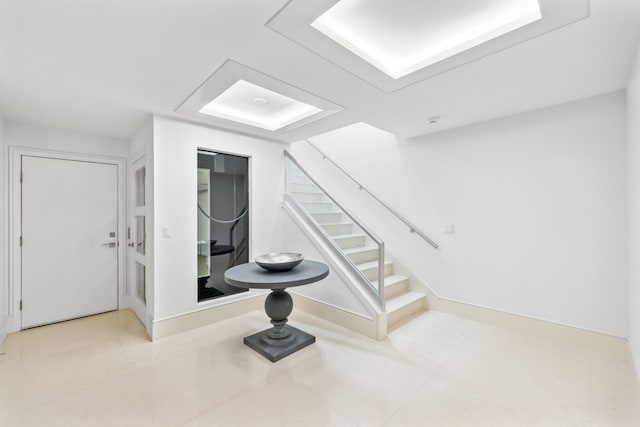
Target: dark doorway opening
(223, 220)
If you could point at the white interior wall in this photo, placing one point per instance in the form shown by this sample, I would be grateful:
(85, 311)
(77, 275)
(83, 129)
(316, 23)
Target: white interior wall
(633, 163)
(175, 206)
(50, 139)
(538, 201)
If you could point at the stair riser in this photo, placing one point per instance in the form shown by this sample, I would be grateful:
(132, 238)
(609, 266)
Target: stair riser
(315, 207)
(372, 273)
(350, 242)
(310, 197)
(406, 311)
(338, 229)
(327, 218)
(362, 257)
(396, 289)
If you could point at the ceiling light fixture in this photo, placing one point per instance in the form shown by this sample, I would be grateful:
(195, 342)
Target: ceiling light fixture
(400, 40)
(267, 110)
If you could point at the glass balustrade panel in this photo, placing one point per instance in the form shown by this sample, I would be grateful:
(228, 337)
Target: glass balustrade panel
(340, 228)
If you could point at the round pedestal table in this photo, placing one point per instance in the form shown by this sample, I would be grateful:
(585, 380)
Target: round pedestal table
(282, 339)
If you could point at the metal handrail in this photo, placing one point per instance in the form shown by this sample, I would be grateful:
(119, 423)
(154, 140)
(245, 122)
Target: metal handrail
(412, 228)
(379, 242)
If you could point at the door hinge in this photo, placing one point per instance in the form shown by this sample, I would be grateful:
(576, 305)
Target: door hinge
(20, 305)
(21, 176)
(20, 241)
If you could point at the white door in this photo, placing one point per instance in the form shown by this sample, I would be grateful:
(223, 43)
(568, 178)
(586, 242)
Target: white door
(69, 239)
(137, 240)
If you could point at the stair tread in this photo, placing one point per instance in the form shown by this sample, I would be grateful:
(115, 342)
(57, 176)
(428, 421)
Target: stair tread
(360, 249)
(402, 300)
(347, 236)
(391, 280)
(370, 264)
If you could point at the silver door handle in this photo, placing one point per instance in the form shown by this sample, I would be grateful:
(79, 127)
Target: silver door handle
(110, 244)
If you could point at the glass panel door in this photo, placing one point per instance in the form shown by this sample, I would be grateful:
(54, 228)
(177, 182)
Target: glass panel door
(137, 236)
(223, 220)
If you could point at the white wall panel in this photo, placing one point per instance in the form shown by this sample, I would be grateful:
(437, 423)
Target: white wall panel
(538, 201)
(175, 205)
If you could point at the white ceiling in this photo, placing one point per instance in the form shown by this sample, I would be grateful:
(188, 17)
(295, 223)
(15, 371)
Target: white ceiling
(103, 67)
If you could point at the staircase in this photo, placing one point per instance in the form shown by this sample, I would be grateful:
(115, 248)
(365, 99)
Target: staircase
(401, 302)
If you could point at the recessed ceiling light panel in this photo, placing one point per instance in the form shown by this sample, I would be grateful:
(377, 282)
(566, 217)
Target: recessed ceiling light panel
(400, 37)
(254, 105)
(242, 99)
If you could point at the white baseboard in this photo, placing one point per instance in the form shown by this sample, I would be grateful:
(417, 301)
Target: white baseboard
(594, 341)
(186, 322)
(374, 327)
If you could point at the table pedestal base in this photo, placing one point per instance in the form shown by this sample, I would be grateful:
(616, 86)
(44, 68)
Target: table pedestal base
(276, 349)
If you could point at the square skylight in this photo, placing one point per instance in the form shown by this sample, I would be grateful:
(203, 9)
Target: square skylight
(254, 105)
(400, 37)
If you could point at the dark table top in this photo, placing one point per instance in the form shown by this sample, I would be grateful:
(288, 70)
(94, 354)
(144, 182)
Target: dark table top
(251, 275)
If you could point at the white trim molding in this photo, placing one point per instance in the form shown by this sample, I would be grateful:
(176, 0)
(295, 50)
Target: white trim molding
(597, 342)
(203, 317)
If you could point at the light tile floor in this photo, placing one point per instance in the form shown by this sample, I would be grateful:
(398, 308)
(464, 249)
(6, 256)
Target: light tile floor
(436, 370)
